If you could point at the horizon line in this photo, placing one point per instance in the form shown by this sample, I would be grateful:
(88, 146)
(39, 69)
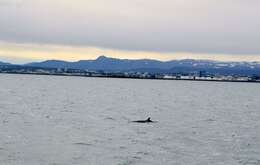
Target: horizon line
(130, 59)
(23, 53)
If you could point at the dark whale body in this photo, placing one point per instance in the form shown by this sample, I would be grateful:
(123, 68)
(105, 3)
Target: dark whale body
(144, 121)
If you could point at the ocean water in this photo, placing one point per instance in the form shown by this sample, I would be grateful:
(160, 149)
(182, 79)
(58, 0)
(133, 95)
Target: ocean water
(48, 120)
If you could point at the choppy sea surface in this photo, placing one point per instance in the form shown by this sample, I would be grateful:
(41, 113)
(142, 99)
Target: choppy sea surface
(48, 120)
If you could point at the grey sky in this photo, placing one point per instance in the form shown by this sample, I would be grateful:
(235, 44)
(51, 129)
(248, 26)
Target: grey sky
(199, 26)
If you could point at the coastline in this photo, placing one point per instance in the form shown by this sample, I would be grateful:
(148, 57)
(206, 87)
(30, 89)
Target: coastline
(124, 77)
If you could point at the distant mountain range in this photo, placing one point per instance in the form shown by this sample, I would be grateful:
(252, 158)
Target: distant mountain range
(4, 63)
(153, 66)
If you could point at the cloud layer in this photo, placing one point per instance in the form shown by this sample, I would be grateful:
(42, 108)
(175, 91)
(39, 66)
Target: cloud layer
(201, 26)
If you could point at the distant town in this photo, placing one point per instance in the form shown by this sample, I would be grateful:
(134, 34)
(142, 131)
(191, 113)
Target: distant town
(188, 69)
(192, 76)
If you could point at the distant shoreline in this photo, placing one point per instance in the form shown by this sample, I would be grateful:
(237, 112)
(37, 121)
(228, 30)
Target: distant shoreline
(121, 77)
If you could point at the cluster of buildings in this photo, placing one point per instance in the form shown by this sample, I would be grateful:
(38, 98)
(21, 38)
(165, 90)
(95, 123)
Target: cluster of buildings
(194, 76)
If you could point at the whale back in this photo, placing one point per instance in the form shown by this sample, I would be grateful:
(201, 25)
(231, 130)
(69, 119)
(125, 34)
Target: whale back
(148, 120)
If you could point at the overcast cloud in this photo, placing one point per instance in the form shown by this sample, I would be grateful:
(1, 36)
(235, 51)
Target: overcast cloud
(199, 26)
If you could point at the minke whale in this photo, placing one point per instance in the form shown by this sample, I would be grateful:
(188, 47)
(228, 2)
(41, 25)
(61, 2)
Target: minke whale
(148, 120)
